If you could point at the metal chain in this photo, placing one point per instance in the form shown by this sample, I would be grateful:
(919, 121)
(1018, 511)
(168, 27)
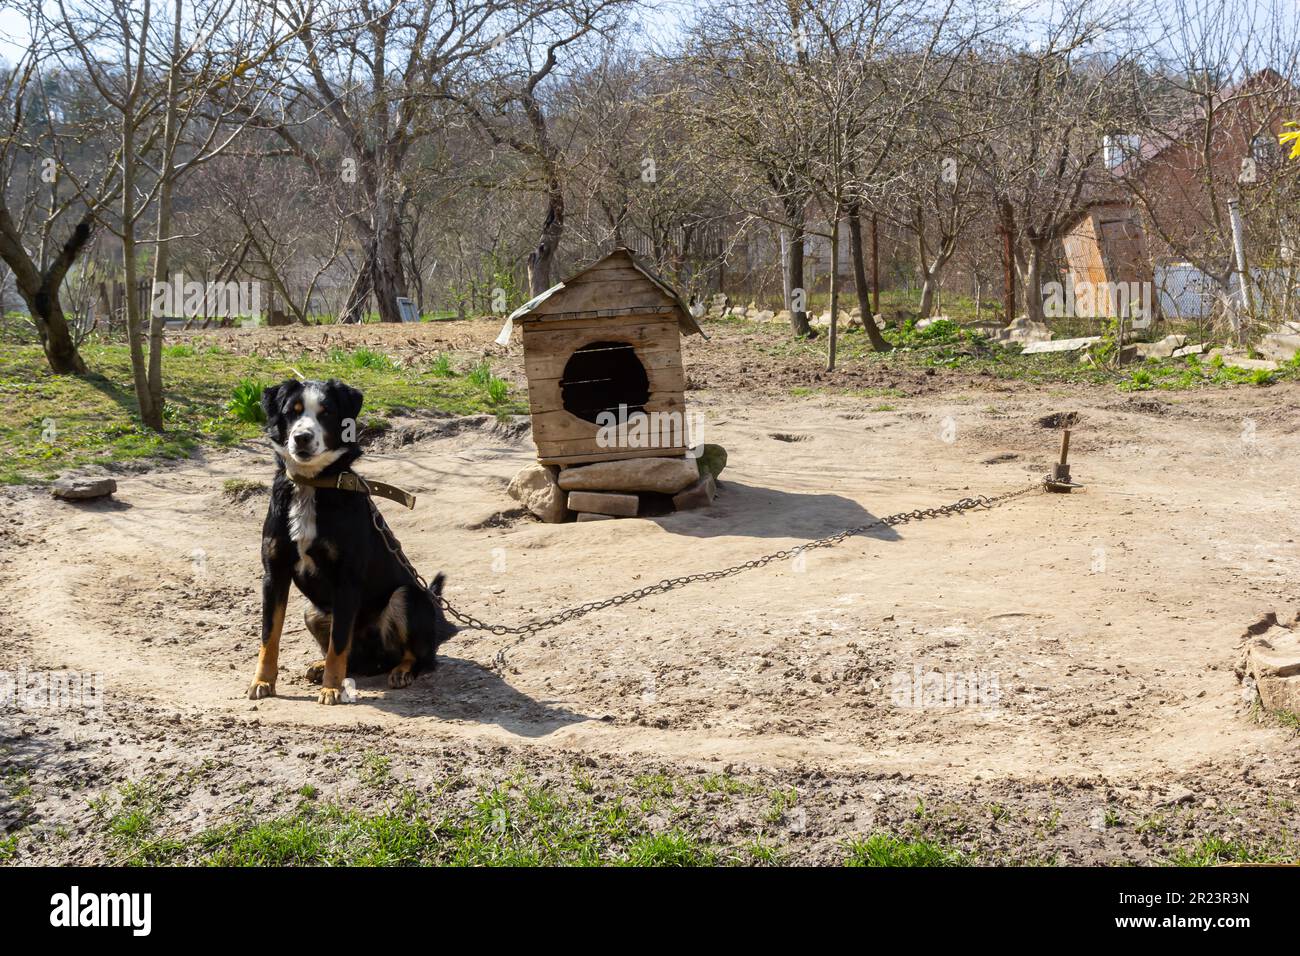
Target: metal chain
(672, 584)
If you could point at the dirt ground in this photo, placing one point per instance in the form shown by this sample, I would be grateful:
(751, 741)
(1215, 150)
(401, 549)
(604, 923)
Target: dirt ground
(1107, 623)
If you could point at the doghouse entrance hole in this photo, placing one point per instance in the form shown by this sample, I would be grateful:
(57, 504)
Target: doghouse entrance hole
(602, 376)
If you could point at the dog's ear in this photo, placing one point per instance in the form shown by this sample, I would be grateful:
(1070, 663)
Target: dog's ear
(435, 587)
(349, 399)
(271, 401)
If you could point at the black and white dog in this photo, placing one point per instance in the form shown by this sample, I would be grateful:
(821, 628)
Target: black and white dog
(366, 610)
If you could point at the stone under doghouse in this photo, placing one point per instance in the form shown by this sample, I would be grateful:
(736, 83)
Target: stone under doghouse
(606, 393)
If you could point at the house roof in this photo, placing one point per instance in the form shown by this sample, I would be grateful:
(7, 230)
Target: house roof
(685, 321)
(1264, 81)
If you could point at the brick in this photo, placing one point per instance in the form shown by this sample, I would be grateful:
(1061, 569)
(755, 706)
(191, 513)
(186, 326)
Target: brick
(605, 503)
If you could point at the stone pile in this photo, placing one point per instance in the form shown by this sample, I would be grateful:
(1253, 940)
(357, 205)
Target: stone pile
(618, 489)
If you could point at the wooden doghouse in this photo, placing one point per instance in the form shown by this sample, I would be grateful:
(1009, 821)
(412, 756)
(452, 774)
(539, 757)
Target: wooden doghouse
(605, 338)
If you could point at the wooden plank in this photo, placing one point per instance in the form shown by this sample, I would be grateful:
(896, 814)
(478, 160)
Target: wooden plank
(596, 322)
(659, 333)
(572, 453)
(613, 272)
(598, 319)
(603, 295)
(557, 424)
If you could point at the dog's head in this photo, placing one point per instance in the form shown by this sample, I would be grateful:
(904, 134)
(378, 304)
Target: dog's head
(312, 424)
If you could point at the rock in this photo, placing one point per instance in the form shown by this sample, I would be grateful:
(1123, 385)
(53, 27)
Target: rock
(763, 315)
(1060, 345)
(1186, 350)
(1279, 346)
(599, 502)
(1273, 661)
(698, 495)
(711, 461)
(1024, 330)
(592, 516)
(1165, 348)
(663, 475)
(536, 488)
(1238, 359)
(1177, 795)
(783, 316)
(83, 488)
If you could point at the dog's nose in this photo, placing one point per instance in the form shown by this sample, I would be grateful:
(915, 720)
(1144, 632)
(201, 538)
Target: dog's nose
(301, 441)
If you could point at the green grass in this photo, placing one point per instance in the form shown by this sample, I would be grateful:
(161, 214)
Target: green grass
(53, 423)
(509, 825)
(1215, 851)
(882, 849)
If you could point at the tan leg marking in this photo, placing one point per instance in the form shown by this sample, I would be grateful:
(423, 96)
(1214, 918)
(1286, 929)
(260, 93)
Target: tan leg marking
(336, 668)
(268, 660)
(400, 676)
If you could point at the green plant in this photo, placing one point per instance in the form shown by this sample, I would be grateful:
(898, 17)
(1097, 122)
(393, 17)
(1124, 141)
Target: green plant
(441, 367)
(362, 358)
(883, 849)
(246, 402)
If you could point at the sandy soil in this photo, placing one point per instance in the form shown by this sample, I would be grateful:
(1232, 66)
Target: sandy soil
(1110, 619)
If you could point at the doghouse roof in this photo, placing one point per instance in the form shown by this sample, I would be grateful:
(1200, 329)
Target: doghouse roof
(618, 284)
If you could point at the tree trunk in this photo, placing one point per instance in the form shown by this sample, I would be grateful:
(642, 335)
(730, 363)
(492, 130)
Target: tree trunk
(875, 265)
(794, 279)
(835, 293)
(40, 290)
(1032, 280)
(150, 414)
(388, 279)
(541, 258)
(52, 327)
(860, 280)
(930, 275)
(162, 259)
(1008, 264)
(357, 303)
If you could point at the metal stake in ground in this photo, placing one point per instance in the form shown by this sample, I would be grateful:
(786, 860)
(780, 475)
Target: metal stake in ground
(1059, 480)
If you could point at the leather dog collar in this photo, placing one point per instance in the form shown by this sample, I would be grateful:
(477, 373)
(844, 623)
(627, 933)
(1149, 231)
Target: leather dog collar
(351, 481)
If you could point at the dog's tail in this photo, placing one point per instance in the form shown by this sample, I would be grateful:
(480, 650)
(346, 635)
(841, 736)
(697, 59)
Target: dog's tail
(446, 628)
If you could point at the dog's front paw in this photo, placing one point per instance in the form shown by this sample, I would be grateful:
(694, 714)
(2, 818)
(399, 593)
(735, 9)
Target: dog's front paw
(315, 672)
(400, 677)
(259, 689)
(330, 695)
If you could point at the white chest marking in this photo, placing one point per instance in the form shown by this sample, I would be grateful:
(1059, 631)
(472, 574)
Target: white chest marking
(302, 523)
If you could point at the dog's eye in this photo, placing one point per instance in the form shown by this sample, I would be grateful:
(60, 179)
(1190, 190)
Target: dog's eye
(297, 406)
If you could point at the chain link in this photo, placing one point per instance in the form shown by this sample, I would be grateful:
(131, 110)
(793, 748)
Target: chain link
(672, 584)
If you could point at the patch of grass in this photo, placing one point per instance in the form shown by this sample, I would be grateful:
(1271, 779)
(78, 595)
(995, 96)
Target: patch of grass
(246, 402)
(53, 423)
(883, 849)
(8, 847)
(441, 366)
(241, 489)
(362, 357)
(376, 769)
(673, 848)
(1214, 851)
(509, 825)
